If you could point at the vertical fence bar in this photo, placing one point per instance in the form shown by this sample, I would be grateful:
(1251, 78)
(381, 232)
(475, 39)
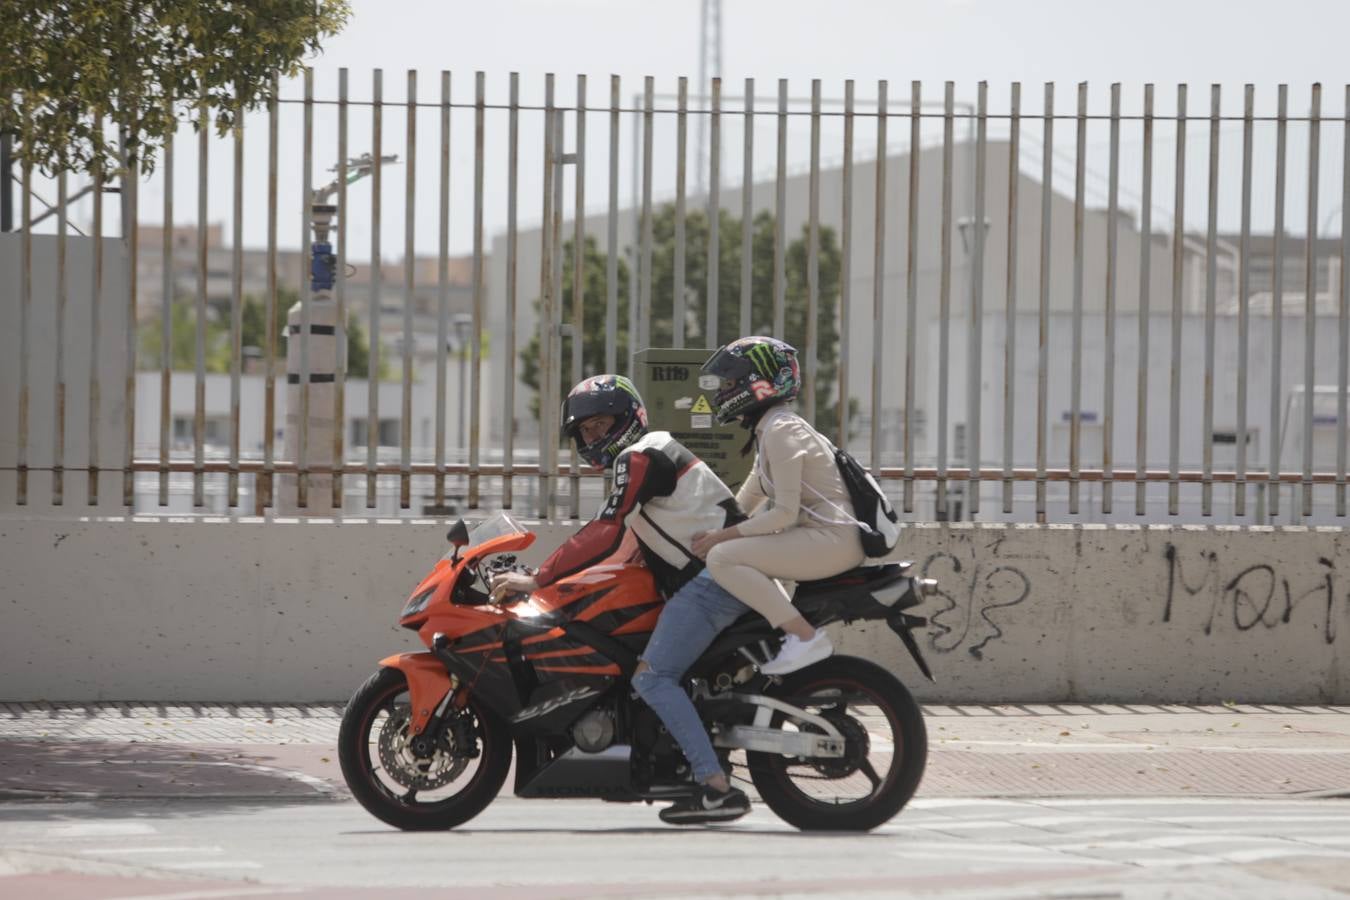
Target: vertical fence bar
(409, 261)
(578, 273)
(479, 277)
(131, 234)
(236, 309)
(199, 394)
(25, 312)
(166, 323)
(612, 235)
(1109, 356)
(376, 279)
(1244, 303)
(265, 484)
(1343, 371)
(1145, 275)
(879, 286)
(780, 215)
(547, 301)
(556, 276)
(747, 208)
(645, 293)
(911, 262)
(306, 307)
(1178, 262)
(1076, 360)
(712, 307)
(509, 388)
(1043, 366)
(813, 257)
(59, 350)
(1310, 296)
(678, 303)
(1010, 301)
(945, 298)
(976, 344)
(846, 271)
(1211, 286)
(1277, 303)
(340, 296)
(631, 253)
(443, 294)
(95, 307)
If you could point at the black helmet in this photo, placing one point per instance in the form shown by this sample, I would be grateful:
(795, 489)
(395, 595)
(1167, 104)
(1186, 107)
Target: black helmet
(605, 395)
(756, 373)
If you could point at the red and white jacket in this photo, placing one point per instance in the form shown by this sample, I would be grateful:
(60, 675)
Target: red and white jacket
(666, 495)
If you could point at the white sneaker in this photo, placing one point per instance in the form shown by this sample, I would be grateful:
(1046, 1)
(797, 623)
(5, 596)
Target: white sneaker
(798, 654)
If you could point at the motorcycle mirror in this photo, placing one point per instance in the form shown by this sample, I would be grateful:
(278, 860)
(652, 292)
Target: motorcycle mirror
(458, 535)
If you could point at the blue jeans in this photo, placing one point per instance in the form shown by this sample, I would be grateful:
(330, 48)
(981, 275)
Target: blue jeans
(691, 620)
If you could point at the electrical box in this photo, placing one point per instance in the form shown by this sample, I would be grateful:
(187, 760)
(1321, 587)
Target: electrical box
(679, 400)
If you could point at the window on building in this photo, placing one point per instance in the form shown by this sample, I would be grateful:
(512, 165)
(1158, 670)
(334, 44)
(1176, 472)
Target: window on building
(388, 436)
(216, 431)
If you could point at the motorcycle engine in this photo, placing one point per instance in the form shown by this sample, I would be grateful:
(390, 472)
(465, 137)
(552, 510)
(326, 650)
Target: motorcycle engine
(594, 731)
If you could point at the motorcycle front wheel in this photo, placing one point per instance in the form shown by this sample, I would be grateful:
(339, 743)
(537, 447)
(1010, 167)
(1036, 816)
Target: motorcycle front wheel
(886, 749)
(430, 782)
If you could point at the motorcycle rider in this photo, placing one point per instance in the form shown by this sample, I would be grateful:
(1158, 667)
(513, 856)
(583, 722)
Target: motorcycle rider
(802, 525)
(666, 495)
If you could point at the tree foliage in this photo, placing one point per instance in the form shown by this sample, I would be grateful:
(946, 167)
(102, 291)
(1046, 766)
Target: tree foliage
(70, 66)
(253, 333)
(729, 299)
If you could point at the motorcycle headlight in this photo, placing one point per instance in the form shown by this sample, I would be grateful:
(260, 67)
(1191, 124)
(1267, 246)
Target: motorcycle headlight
(418, 602)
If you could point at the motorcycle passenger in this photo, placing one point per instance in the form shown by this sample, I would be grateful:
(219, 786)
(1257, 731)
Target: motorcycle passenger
(801, 525)
(666, 495)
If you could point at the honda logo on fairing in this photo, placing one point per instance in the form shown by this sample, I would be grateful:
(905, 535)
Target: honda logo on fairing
(553, 703)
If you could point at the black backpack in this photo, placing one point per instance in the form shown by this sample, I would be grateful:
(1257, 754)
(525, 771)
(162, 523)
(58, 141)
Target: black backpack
(876, 519)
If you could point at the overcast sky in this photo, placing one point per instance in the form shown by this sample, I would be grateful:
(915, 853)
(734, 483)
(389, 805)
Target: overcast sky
(1199, 42)
(1166, 41)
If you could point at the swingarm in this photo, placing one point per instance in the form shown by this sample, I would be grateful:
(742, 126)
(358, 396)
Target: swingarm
(761, 737)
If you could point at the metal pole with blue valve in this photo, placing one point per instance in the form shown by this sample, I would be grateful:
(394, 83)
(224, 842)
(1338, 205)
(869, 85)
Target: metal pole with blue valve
(326, 358)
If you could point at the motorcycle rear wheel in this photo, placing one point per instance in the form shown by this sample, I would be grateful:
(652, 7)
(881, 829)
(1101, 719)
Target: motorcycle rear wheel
(386, 778)
(886, 749)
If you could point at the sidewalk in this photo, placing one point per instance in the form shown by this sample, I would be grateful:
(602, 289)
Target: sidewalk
(289, 752)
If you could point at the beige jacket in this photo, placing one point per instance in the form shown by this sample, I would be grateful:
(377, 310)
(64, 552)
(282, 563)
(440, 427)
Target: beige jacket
(794, 480)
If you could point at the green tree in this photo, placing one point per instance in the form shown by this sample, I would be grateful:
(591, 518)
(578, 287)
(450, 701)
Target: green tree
(595, 279)
(69, 66)
(253, 333)
(183, 357)
(729, 298)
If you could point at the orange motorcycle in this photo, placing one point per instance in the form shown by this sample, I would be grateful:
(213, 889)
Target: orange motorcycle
(427, 741)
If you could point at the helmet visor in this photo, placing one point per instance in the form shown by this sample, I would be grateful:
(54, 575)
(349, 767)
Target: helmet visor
(728, 366)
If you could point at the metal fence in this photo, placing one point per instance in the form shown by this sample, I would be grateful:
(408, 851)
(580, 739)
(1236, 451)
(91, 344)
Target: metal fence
(1037, 265)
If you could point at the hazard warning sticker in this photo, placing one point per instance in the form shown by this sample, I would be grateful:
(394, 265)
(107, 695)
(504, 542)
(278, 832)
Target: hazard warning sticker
(701, 405)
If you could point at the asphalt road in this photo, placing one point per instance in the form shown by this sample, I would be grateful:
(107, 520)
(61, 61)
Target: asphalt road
(956, 848)
(217, 802)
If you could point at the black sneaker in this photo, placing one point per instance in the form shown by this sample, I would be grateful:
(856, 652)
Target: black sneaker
(708, 805)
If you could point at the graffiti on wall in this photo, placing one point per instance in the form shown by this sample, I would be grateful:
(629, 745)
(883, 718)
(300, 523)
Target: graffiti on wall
(975, 596)
(1260, 594)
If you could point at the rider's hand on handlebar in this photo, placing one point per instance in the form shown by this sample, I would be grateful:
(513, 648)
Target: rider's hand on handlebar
(507, 583)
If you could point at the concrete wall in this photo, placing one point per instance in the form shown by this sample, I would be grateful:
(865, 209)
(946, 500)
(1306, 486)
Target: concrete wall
(165, 609)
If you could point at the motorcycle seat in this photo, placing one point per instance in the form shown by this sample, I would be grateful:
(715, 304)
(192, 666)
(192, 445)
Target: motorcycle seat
(860, 575)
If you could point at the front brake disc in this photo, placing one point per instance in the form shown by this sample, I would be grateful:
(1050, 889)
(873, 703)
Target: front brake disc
(421, 773)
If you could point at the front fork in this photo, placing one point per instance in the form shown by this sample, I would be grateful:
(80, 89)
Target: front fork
(429, 684)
